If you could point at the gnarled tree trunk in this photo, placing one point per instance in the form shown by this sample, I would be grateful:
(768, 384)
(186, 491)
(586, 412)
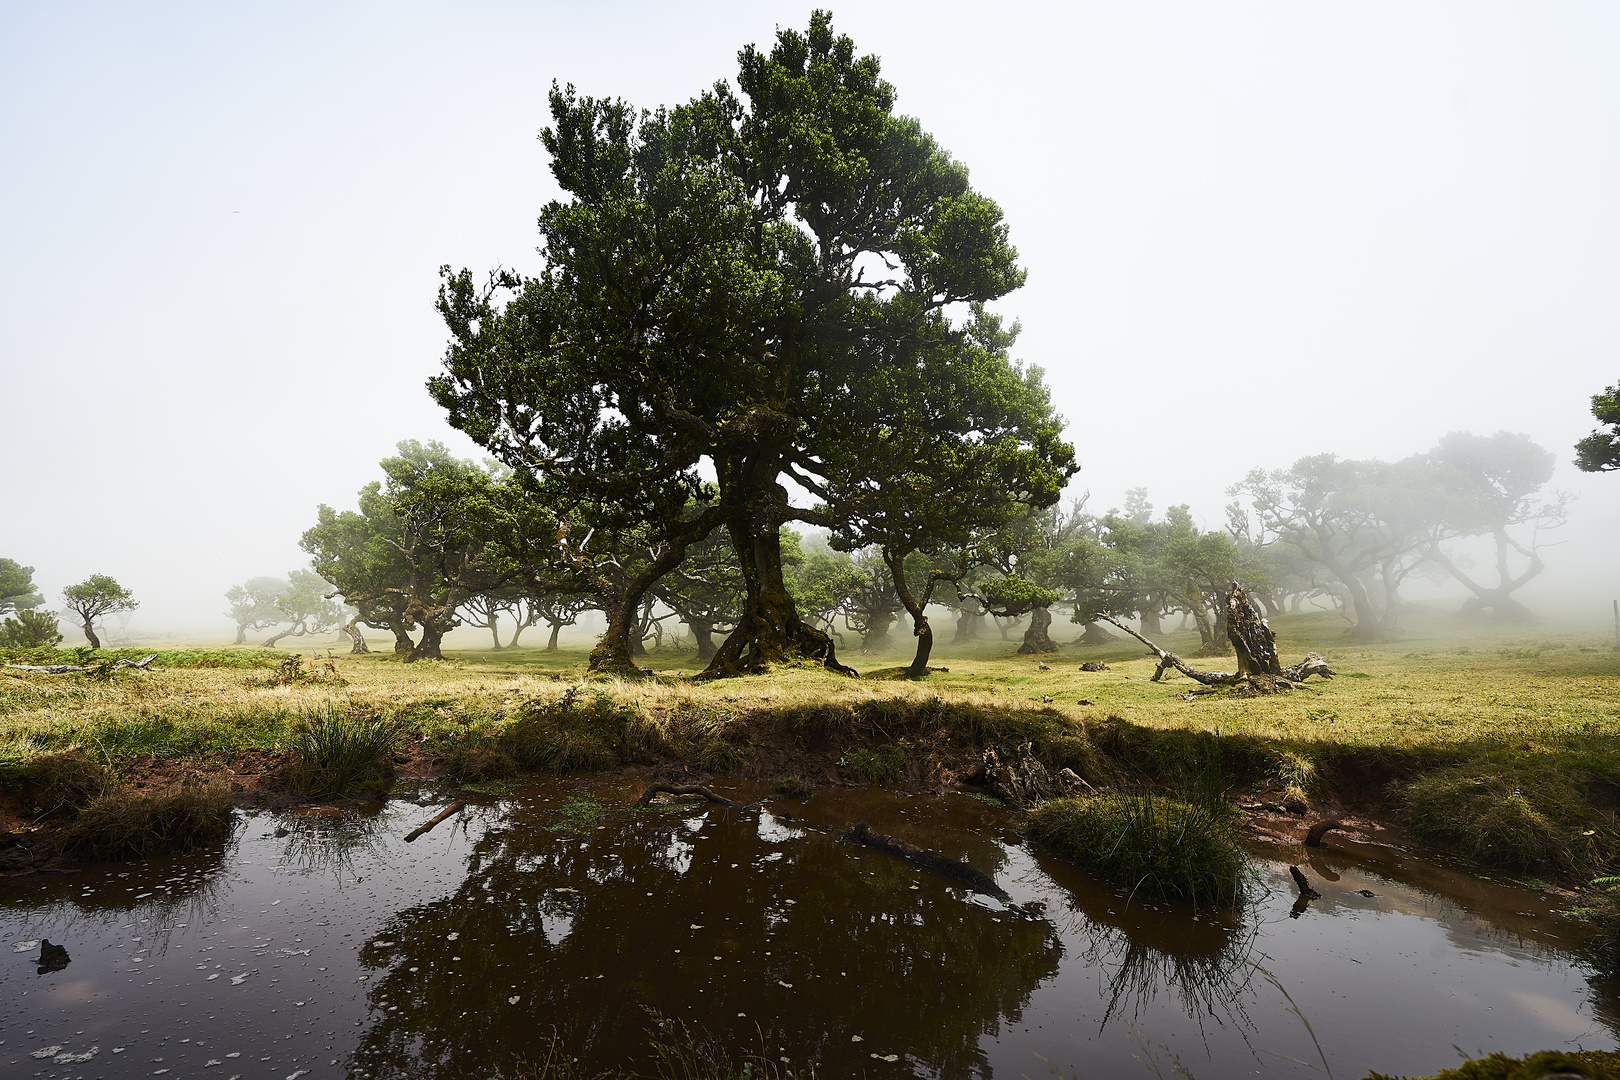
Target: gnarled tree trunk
(1037, 640)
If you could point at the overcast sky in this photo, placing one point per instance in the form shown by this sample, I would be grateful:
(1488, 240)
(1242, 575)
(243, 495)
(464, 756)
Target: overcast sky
(1253, 232)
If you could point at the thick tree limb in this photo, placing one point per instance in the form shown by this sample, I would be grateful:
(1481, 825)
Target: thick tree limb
(685, 789)
(1169, 659)
(63, 669)
(447, 812)
(1321, 829)
(954, 869)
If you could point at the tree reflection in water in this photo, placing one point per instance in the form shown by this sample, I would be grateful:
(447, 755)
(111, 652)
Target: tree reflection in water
(723, 919)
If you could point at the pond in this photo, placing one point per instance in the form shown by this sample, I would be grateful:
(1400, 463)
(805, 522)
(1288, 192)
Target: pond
(327, 947)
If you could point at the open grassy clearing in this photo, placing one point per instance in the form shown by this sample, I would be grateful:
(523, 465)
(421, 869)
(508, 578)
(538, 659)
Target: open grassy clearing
(1498, 743)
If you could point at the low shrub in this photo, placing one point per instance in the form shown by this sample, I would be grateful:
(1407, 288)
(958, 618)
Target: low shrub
(1519, 819)
(576, 733)
(126, 824)
(333, 752)
(1150, 844)
(477, 764)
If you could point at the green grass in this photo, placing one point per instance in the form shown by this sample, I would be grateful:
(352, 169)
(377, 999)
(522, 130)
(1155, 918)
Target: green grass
(334, 752)
(1150, 844)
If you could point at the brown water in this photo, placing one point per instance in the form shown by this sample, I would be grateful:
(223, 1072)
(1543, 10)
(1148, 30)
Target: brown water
(339, 950)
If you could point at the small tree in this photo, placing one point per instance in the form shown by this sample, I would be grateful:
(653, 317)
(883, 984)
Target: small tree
(17, 587)
(95, 596)
(30, 630)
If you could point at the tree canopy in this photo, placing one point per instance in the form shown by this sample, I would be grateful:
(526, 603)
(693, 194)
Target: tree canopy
(758, 283)
(1600, 451)
(17, 587)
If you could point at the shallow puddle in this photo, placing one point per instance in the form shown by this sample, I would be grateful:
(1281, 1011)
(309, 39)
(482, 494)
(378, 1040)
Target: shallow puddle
(336, 949)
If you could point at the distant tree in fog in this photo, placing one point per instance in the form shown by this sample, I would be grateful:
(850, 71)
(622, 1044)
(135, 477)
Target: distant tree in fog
(1492, 487)
(95, 596)
(303, 604)
(17, 587)
(253, 605)
(1356, 520)
(1600, 451)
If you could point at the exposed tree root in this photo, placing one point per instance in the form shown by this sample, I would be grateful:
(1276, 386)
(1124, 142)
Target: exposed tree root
(685, 789)
(1321, 829)
(1305, 890)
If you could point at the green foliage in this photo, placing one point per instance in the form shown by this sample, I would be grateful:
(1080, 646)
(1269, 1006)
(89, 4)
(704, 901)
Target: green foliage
(878, 765)
(1150, 844)
(1591, 1064)
(706, 297)
(1600, 451)
(132, 825)
(1010, 597)
(578, 813)
(17, 587)
(333, 752)
(30, 630)
(1521, 818)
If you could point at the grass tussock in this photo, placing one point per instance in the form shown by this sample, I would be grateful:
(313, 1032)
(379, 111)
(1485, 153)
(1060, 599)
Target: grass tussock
(1517, 818)
(1150, 844)
(477, 764)
(334, 752)
(579, 732)
(126, 824)
(59, 783)
(1601, 912)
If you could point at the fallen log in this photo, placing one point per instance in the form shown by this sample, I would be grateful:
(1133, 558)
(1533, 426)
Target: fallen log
(447, 812)
(685, 789)
(64, 669)
(1259, 671)
(954, 869)
(1311, 665)
(1168, 659)
(1305, 890)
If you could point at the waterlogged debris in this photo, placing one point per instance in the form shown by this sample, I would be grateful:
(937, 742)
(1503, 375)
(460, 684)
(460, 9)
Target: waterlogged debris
(233, 1054)
(514, 999)
(779, 982)
(887, 1057)
(382, 944)
(212, 1062)
(74, 1059)
(292, 952)
(295, 1075)
(212, 977)
(49, 1051)
(25, 946)
(452, 935)
(238, 980)
(694, 926)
